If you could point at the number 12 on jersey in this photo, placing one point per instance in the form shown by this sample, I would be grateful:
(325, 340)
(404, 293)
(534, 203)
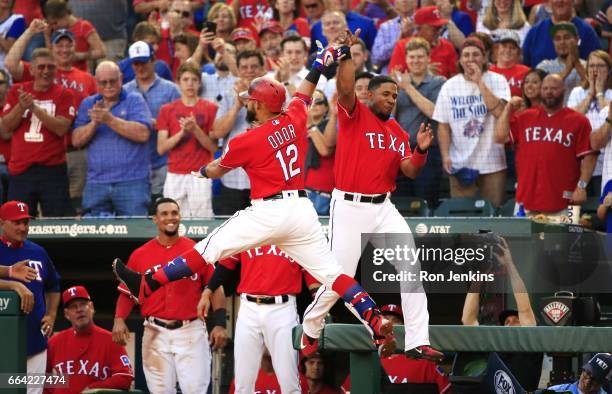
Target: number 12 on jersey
(291, 156)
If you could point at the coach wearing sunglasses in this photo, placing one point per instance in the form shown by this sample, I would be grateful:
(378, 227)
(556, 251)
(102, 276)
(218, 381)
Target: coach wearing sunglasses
(36, 117)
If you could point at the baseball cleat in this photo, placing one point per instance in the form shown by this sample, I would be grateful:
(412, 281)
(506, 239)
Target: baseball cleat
(425, 352)
(131, 280)
(384, 340)
(308, 345)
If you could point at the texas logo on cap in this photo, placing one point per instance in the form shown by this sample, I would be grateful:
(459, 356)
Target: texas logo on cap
(75, 292)
(14, 210)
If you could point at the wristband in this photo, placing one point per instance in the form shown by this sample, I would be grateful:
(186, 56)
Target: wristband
(203, 171)
(217, 317)
(313, 75)
(418, 159)
(421, 151)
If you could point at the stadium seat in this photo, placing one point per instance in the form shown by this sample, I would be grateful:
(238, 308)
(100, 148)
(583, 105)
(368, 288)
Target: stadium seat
(411, 206)
(507, 210)
(465, 206)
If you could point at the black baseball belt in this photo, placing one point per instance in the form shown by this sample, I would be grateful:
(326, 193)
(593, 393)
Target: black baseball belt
(169, 324)
(377, 199)
(278, 196)
(267, 300)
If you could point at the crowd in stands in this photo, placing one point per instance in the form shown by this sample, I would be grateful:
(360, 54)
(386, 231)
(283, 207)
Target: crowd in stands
(108, 105)
(98, 123)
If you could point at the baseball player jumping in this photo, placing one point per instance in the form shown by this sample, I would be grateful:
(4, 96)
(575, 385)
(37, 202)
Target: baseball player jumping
(273, 156)
(371, 150)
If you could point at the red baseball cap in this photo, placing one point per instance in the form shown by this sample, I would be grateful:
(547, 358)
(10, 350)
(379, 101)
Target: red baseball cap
(14, 210)
(242, 34)
(75, 292)
(429, 16)
(392, 309)
(272, 26)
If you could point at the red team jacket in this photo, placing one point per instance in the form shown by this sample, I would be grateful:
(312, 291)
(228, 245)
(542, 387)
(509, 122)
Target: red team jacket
(176, 300)
(90, 360)
(267, 270)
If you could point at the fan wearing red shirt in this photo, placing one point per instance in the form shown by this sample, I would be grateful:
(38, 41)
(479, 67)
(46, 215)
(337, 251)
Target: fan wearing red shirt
(508, 58)
(81, 83)
(180, 21)
(38, 114)
(313, 368)
(249, 12)
(272, 154)
(428, 26)
(270, 280)
(554, 159)
(85, 353)
(88, 44)
(175, 340)
(183, 130)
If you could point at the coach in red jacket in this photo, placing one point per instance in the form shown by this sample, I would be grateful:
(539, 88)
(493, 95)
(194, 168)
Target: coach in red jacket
(85, 353)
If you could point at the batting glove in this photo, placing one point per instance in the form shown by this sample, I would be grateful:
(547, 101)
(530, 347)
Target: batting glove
(328, 56)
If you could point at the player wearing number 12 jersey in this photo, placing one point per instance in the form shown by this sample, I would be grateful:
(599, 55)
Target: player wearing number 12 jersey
(273, 156)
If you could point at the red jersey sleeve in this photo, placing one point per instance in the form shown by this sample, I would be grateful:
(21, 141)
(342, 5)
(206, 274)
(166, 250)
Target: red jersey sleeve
(237, 152)
(162, 118)
(231, 262)
(121, 374)
(12, 98)
(206, 273)
(398, 57)
(583, 141)
(86, 28)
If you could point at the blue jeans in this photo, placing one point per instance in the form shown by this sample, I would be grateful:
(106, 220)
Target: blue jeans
(129, 198)
(320, 201)
(47, 185)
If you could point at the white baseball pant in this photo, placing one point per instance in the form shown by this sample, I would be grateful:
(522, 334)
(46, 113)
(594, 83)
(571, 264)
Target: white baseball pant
(348, 221)
(193, 194)
(268, 325)
(182, 353)
(291, 223)
(36, 363)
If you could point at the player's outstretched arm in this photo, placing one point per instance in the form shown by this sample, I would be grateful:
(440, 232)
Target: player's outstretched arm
(213, 170)
(345, 79)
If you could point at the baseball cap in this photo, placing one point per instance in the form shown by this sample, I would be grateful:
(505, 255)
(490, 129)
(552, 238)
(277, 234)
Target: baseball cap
(429, 16)
(140, 51)
(503, 315)
(242, 34)
(392, 309)
(473, 42)
(568, 26)
(75, 292)
(508, 36)
(14, 210)
(600, 367)
(61, 33)
(267, 91)
(271, 25)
